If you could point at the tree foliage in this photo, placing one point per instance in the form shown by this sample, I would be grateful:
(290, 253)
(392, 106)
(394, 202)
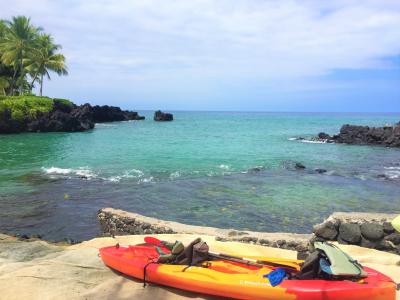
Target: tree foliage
(27, 56)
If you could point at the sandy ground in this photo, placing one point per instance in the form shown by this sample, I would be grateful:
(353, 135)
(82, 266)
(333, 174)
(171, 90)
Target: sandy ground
(39, 270)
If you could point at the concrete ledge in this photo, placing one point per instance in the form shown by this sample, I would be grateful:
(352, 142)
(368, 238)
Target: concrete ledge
(118, 222)
(368, 230)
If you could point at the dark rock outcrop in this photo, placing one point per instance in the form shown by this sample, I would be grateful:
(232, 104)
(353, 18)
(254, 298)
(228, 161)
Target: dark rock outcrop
(299, 166)
(9, 125)
(364, 135)
(161, 116)
(324, 136)
(111, 113)
(65, 118)
(78, 119)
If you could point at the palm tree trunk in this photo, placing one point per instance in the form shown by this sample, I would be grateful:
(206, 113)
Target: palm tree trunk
(34, 79)
(13, 82)
(21, 84)
(41, 84)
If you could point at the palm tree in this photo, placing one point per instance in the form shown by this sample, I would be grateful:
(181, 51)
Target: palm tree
(3, 85)
(45, 59)
(19, 39)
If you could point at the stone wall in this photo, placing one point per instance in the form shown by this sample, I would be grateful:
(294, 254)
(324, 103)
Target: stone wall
(362, 229)
(118, 222)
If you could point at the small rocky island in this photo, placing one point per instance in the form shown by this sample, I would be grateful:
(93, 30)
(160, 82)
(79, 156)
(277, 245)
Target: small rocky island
(42, 114)
(388, 136)
(161, 116)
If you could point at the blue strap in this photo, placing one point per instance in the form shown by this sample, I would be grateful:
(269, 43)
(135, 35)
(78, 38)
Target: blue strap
(276, 276)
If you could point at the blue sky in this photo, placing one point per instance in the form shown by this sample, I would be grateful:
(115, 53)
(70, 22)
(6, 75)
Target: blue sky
(225, 55)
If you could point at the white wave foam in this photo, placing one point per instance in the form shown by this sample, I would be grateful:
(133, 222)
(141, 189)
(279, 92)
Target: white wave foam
(292, 139)
(147, 180)
(313, 142)
(105, 125)
(224, 167)
(127, 174)
(392, 172)
(81, 172)
(175, 175)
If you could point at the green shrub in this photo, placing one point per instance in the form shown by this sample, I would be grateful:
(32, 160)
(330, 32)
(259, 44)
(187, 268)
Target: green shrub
(27, 107)
(64, 101)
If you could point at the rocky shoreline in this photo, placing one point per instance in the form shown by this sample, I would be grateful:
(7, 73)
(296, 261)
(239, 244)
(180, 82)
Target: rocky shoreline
(362, 229)
(34, 269)
(65, 118)
(388, 136)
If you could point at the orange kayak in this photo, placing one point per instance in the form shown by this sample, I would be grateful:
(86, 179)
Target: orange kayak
(233, 280)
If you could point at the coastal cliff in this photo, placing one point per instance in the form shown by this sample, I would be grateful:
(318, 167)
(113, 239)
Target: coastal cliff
(43, 114)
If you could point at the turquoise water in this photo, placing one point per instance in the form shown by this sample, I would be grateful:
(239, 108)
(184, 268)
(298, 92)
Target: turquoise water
(225, 169)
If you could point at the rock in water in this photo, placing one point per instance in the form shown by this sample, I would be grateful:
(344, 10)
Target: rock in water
(324, 136)
(107, 113)
(161, 116)
(365, 135)
(299, 166)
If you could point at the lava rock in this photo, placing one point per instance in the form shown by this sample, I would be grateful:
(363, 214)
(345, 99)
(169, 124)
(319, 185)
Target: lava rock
(320, 171)
(327, 231)
(65, 118)
(385, 246)
(365, 135)
(105, 113)
(372, 231)
(394, 238)
(299, 166)
(368, 244)
(350, 233)
(9, 125)
(342, 241)
(387, 227)
(324, 136)
(161, 116)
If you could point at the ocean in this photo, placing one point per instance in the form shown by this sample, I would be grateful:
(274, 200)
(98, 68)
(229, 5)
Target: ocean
(224, 169)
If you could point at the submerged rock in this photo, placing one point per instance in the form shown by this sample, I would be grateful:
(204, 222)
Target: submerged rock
(299, 166)
(161, 116)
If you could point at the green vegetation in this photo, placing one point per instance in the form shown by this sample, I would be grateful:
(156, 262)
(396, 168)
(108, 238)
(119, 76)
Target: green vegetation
(22, 107)
(27, 55)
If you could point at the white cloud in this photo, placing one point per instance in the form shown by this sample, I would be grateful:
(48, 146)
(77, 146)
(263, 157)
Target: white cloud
(151, 40)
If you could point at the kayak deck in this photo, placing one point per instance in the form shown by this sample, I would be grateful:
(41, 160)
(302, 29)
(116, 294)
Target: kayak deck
(234, 280)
